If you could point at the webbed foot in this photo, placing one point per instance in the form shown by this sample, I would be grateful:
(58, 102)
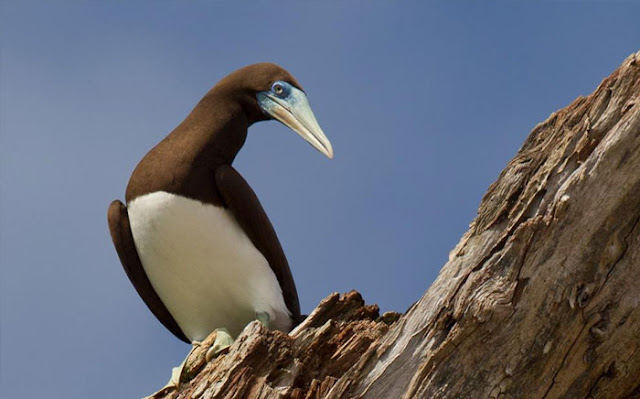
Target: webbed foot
(263, 317)
(222, 342)
(176, 373)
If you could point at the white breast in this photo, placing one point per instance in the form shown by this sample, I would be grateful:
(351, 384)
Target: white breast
(203, 266)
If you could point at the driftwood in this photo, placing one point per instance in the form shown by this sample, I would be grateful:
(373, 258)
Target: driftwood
(540, 299)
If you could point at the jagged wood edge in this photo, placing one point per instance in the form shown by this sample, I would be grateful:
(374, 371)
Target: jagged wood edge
(537, 300)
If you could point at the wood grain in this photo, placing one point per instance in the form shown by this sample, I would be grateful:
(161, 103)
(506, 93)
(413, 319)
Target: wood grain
(539, 299)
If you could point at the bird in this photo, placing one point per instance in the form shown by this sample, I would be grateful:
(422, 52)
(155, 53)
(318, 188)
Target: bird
(193, 238)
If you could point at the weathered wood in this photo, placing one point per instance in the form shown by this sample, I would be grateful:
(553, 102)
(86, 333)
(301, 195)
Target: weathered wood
(540, 298)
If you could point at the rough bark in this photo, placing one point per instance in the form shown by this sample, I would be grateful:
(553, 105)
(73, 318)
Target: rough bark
(540, 298)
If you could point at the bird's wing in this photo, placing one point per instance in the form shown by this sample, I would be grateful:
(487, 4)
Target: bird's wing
(123, 240)
(245, 207)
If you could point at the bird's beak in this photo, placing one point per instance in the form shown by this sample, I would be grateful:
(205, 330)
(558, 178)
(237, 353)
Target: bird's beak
(295, 113)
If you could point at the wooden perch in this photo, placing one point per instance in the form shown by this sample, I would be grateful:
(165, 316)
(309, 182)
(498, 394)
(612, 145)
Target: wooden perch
(540, 299)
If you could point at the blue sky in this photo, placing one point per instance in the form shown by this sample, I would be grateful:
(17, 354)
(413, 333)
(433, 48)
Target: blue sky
(424, 105)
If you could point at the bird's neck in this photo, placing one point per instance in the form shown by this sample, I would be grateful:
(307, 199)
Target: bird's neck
(214, 131)
(186, 160)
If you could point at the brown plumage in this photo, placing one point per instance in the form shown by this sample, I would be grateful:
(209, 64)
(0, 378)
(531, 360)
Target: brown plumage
(194, 161)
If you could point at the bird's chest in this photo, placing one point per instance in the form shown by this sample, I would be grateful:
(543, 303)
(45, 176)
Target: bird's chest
(201, 263)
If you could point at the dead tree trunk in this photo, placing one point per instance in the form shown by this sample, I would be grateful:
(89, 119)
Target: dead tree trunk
(540, 299)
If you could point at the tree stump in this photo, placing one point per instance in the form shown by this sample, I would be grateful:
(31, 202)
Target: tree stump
(539, 299)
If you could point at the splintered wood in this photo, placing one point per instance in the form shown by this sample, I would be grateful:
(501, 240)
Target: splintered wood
(539, 299)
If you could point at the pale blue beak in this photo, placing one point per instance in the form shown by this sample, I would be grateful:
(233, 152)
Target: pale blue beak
(290, 106)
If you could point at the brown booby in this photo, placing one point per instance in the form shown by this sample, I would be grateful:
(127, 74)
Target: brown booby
(193, 237)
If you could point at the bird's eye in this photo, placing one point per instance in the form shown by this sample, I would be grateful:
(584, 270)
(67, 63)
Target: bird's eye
(280, 89)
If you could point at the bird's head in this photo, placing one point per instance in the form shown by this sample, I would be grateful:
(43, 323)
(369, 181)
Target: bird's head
(270, 92)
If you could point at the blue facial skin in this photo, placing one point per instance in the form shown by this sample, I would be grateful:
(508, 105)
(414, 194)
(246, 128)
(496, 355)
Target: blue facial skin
(290, 106)
(282, 93)
(281, 89)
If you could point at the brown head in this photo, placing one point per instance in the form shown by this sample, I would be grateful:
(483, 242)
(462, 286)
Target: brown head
(267, 91)
(216, 130)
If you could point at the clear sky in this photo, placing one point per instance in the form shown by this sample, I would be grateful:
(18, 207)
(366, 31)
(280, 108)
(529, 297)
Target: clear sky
(424, 103)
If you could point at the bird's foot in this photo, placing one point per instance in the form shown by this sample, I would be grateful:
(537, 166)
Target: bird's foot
(222, 342)
(176, 374)
(263, 317)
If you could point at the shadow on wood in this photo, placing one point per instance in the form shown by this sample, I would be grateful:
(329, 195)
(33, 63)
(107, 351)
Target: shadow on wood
(540, 298)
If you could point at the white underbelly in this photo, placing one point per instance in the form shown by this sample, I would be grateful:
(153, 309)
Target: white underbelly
(205, 269)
